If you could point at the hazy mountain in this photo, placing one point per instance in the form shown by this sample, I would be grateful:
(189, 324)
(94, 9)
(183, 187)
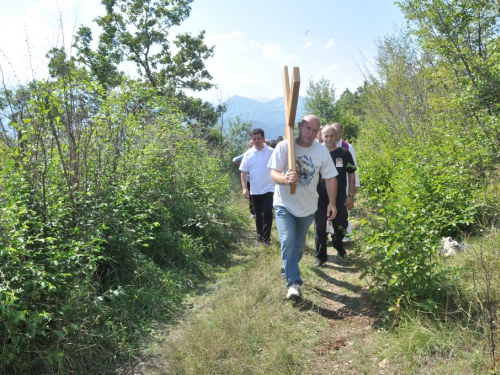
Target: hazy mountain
(261, 99)
(270, 116)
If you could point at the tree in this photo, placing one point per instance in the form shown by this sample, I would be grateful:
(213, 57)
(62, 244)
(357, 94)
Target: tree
(103, 63)
(320, 100)
(351, 112)
(238, 136)
(460, 39)
(460, 42)
(138, 31)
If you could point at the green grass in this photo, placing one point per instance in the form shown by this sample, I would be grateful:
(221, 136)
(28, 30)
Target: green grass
(243, 323)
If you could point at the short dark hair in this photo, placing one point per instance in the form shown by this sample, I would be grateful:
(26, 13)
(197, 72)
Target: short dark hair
(257, 131)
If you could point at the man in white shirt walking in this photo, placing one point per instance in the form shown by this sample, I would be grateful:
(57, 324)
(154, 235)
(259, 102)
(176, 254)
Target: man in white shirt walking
(254, 162)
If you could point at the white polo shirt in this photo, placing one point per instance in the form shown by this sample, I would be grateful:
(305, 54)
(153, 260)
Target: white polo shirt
(255, 163)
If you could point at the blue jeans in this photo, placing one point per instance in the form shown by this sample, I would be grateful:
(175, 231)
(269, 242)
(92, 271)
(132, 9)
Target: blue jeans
(292, 232)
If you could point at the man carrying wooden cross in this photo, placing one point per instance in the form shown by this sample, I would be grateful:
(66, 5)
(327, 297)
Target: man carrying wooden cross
(295, 212)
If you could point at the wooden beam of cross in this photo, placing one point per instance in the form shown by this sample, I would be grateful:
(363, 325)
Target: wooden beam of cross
(291, 98)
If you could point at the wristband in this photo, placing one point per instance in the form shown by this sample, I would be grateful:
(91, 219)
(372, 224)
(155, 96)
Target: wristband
(350, 195)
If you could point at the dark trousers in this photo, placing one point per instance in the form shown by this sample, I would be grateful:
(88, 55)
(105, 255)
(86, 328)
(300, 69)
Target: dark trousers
(250, 202)
(263, 206)
(320, 236)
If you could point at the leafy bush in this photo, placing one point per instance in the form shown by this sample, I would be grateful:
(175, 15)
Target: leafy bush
(111, 210)
(402, 249)
(418, 192)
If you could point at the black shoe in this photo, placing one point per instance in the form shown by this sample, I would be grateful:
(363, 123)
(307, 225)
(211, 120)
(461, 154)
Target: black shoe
(342, 254)
(319, 263)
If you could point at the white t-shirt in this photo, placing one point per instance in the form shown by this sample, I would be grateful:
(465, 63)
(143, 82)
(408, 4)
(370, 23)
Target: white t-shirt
(309, 162)
(255, 163)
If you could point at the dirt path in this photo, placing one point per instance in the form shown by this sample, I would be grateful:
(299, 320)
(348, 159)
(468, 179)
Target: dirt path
(351, 317)
(334, 292)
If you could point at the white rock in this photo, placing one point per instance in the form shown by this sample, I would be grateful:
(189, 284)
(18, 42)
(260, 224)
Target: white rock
(449, 247)
(384, 363)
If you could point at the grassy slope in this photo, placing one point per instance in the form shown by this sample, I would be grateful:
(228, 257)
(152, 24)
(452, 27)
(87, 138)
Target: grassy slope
(244, 325)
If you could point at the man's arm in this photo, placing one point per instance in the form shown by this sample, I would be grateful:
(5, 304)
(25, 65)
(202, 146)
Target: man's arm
(349, 202)
(284, 179)
(356, 175)
(243, 177)
(237, 160)
(331, 189)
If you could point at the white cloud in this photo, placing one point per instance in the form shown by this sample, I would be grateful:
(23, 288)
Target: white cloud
(327, 72)
(290, 59)
(27, 37)
(272, 51)
(309, 42)
(330, 44)
(217, 38)
(248, 80)
(276, 55)
(251, 45)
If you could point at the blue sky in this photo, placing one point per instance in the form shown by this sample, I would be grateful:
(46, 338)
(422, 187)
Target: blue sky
(253, 39)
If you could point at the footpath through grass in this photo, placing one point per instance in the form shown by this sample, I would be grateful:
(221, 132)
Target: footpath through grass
(243, 324)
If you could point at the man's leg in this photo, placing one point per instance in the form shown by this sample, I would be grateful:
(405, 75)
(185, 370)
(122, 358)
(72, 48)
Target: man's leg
(340, 228)
(285, 223)
(258, 201)
(292, 232)
(267, 217)
(302, 227)
(320, 235)
(250, 202)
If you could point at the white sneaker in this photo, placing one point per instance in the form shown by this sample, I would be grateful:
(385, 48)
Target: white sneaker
(293, 292)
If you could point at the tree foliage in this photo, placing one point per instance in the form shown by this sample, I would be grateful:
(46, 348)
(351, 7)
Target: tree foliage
(428, 145)
(112, 206)
(460, 39)
(351, 112)
(137, 31)
(320, 100)
(92, 198)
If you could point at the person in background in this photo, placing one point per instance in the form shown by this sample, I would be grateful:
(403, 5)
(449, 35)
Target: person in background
(279, 138)
(319, 137)
(295, 212)
(347, 145)
(261, 191)
(237, 161)
(345, 167)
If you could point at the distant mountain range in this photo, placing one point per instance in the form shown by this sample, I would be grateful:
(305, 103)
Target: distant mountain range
(270, 116)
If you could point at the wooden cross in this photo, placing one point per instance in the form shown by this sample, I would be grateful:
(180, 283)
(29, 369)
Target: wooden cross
(291, 99)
